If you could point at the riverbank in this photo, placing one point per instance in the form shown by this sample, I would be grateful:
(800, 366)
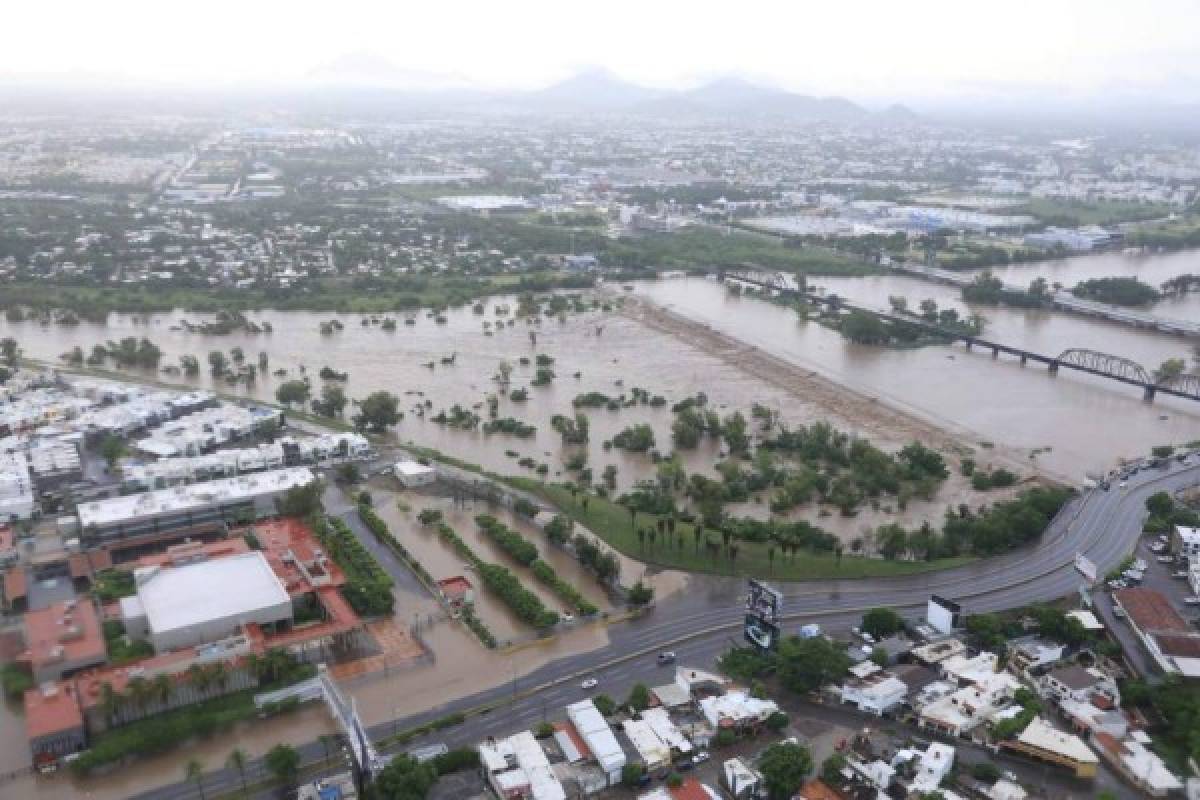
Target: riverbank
(873, 416)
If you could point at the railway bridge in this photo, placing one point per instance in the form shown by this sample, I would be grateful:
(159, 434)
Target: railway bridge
(1092, 362)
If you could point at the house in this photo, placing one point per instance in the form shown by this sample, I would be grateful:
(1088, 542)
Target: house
(929, 767)
(517, 768)
(53, 722)
(962, 710)
(938, 651)
(736, 709)
(878, 693)
(1033, 654)
(599, 738)
(1079, 684)
(1185, 541)
(457, 591)
(652, 751)
(740, 779)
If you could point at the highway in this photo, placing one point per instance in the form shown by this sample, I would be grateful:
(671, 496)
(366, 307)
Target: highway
(1103, 525)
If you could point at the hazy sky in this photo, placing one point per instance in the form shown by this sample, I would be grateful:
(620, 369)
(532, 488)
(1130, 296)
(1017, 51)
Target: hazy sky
(899, 49)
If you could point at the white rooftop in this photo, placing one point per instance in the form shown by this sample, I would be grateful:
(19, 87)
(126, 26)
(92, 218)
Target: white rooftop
(1041, 735)
(195, 496)
(179, 597)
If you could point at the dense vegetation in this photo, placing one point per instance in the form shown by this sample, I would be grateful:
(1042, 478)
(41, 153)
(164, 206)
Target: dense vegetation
(368, 588)
(1120, 291)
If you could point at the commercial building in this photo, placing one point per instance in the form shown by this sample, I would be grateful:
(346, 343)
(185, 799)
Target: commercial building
(54, 465)
(652, 751)
(736, 709)
(151, 514)
(1132, 757)
(177, 607)
(1042, 741)
(63, 639)
(599, 738)
(1080, 684)
(1171, 642)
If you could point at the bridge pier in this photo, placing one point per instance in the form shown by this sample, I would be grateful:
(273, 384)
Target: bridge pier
(968, 343)
(1148, 395)
(1052, 368)
(1024, 358)
(995, 352)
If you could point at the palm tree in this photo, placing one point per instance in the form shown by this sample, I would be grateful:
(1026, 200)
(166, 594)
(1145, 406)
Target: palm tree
(161, 686)
(108, 701)
(237, 761)
(139, 691)
(195, 773)
(199, 678)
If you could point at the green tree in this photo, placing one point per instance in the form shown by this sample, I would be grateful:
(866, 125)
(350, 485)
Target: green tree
(332, 402)
(112, 448)
(195, 774)
(831, 769)
(283, 762)
(882, 622)
(640, 594)
(1160, 504)
(378, 412)
(405, 779)
(237, 763)
(218, 363)
(1169, 370)
(10, 352)
(639, 697)
(784, 767)
(805, 665)
(631, 774)
(292, 392)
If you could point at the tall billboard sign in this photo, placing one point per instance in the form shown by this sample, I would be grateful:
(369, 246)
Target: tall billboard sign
(763, 606)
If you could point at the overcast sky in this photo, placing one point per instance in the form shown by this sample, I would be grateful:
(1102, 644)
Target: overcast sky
(898, 49)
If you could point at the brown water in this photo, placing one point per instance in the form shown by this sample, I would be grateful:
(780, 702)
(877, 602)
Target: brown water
(1086, 422)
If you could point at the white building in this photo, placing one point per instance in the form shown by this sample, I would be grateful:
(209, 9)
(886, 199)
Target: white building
(517, 767)
(932, 766)
(412, 474)
(736, 708)
(202, 431)
(877, 693)
(190, 605)
(16, 488)
(1079, 684)
(599, 738)
(1185, 541)
(652, 751)
(118, 518)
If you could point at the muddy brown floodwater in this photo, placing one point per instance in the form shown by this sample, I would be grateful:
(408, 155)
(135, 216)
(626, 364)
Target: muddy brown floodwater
(939, 394)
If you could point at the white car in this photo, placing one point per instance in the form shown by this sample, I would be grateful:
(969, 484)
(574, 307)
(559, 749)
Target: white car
(1165, 559)
(1179, 573)
(701, 757)
(590, 683)
(1191, 601)
(1124, 484)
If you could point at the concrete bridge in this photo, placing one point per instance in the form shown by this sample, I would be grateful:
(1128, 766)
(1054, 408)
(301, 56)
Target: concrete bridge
(1065, 301)
(1092, 362)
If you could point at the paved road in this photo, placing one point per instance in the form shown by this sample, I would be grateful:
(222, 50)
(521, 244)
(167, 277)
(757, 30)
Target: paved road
(1102, 525)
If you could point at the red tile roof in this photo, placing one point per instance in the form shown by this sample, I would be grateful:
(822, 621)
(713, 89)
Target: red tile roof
(455, 587)
(51, 709)
(15, 585)
(690, 789)
(817, 789)
(72, 625)
(1150, 610)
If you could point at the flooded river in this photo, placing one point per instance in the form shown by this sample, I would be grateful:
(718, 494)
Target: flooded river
(1085, 423)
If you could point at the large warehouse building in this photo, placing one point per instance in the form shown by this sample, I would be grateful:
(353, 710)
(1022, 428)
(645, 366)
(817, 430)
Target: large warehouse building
(137, 515)
(190, 605)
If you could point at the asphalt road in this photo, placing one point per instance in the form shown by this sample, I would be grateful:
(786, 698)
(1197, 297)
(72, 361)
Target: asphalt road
(1102, 525)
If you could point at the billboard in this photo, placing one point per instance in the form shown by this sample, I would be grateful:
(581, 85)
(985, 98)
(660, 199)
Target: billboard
(760, 633)
(764, 602)
(942, 614)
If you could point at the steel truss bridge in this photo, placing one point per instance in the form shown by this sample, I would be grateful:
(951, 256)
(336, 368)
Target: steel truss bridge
(1092, 362)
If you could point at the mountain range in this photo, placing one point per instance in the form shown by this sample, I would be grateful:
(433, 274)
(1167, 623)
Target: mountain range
(593, 92)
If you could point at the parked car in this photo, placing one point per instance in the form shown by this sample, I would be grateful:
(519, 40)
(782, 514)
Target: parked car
(590, 683)
(701, 757)
(1191, 601)
(1119, 612)
(1166, 559)
(666, 657)
(1179, 573)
